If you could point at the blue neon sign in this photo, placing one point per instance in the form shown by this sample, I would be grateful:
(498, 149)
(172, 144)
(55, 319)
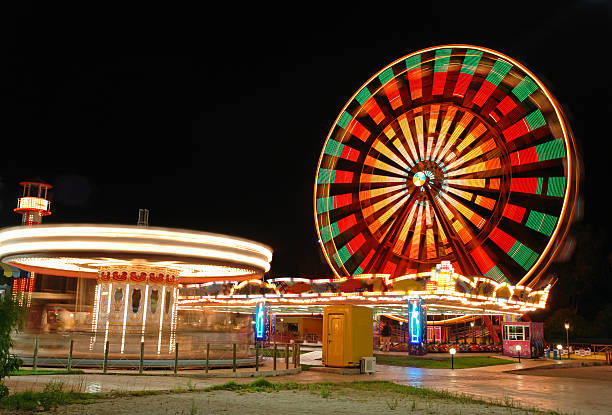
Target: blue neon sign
(414, 327)
(259, 322)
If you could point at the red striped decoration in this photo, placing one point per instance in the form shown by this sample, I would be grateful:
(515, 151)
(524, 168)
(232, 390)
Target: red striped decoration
(514, 212)
(439, 79)
(502, 239)
(355, 243)
(349, 153)
(517, 130)
(526, 156)
(416, 85)
(482, 260)
(485, 91)
(342, 200)
(346, 223)
(524, 184)
(358, 130)
(343, 176)
(462, 84)
(373, 110)
(393, 94)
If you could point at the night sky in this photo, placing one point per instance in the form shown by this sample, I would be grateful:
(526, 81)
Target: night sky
(214, 120)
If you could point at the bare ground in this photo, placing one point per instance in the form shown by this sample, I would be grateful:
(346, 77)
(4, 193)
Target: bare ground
(341, 401)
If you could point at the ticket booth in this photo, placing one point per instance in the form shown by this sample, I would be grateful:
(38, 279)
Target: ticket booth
(347, 335)
(528, 335)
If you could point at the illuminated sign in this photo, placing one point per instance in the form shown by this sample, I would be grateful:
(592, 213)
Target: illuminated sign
(414, 327)
(259, 322)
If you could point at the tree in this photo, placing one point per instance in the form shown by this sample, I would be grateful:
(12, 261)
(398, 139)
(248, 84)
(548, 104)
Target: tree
(11, 319)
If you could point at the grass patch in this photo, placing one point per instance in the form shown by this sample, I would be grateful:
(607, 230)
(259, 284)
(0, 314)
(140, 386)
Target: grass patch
(27, 372)
(460, 362)
(52, 395)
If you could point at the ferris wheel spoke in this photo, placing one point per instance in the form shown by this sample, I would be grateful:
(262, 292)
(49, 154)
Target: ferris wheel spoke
(376, 223)
(418, 123)
(477, 199)
(484, 168)
(462, 125)
(380, 179)
(371, 209)
(415, 242)
(443, 241)
(401, 240)
(474, 183)
(446, 124)
(387, 191)
(432, 121)
(397, 143)
(475, 133)
(381, 165)
(482, 149)
(468, 213)
(392, 234)
(387, 152)
(431, 251)
(403, 122)
(458, 235)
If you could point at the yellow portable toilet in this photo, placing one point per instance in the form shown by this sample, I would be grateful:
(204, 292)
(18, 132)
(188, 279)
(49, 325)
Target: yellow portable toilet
(347, 335)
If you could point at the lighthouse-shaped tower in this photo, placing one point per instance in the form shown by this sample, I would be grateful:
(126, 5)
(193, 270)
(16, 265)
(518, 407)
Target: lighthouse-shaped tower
(33, 203)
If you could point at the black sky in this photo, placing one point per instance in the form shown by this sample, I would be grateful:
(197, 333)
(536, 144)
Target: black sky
(215, 119)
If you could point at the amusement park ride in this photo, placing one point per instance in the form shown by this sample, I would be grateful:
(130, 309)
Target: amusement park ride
(449, 178)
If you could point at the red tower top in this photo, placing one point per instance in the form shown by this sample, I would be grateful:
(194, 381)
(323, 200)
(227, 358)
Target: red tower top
(33, 203)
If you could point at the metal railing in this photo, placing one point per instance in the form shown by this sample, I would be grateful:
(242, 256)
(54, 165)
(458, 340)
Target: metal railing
(287, 352)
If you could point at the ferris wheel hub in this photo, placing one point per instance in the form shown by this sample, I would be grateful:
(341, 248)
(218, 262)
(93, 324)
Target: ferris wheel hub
(419, 179)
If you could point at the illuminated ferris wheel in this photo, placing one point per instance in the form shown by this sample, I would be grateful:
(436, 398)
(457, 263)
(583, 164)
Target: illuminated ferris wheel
(455, 153)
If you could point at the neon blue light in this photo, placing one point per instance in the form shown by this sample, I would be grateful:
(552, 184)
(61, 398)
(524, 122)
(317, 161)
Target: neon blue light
(259, 322)
(415, 321)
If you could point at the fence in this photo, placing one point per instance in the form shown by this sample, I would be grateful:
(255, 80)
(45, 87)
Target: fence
(214, 356)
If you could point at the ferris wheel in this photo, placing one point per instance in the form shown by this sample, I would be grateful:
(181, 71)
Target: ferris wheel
(453, 153)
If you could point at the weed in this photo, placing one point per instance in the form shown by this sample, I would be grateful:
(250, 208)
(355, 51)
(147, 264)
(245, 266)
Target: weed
(392, 403)
(261, 382)
(190, 385)
(194, 409)
(325, 391)
(177, 388)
